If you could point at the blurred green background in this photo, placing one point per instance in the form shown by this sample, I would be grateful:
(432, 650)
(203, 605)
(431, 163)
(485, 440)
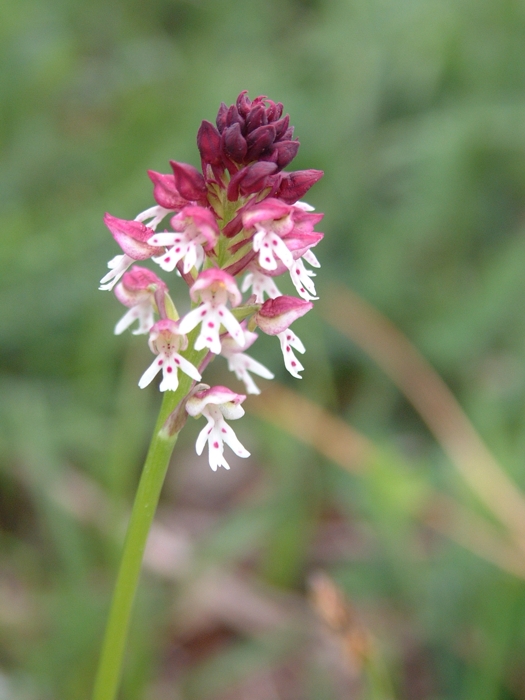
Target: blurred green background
(415, 110)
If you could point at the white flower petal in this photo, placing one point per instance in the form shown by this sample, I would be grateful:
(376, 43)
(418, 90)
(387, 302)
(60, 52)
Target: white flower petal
(150, 374)
(118, 266)
(193, 318)
(231, 324)
(127, 320)
(310, 258)
(230, 439)
(170, 377)
(187, 367)
(202, 439)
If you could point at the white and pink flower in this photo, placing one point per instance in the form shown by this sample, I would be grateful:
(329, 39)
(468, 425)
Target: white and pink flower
(275, 317)
(215, 289)
(166, 340)
(143, 292)
(132, 237)
(195, 231)
(242, 364)
(216, 404)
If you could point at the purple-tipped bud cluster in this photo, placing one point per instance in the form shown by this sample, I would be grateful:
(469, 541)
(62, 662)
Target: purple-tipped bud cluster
(240, 216)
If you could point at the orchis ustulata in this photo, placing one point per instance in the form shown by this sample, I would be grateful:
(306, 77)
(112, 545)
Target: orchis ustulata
(235, 225)
(238, 222)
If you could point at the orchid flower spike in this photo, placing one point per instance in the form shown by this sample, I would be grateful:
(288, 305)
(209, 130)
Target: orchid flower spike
(216, 404)
(165, 340)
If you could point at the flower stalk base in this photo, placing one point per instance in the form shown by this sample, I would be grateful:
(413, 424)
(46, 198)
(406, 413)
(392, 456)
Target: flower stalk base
(146, 500)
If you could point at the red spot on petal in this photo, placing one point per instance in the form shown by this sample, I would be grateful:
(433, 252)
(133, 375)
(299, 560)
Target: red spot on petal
(276, 242)
(288, 337)
(167, 259)
(211, 324)
(223, 430)
(203, 312)
(267, 259)
(216, 445)
(288, 348)
(177, 250)
(294, 364)
(210, 340)
(221, 313)
(266, 245)
(177, 361)
(160, 362)
(169, 370)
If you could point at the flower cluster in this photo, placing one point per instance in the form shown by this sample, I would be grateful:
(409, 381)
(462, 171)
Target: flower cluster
(240, 216)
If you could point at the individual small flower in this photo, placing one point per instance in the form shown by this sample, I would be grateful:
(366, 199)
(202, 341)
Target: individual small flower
(260, 284)
(294, 185)
(216, 404)
(243, 364)
(132, 237)
(165, 340)
(276, 315)
(142, 291)
(195, 230)
(272, 220)
(274, 318)
(215, 288)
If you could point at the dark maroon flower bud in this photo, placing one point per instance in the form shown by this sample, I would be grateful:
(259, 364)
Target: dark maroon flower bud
(256, 118)
(234, 143)
(286, 152)
(295, 184)
(250, 179)
(281, 126)
(189, 181)
(244, 103)
(274, 110)
(257, 178)
(165, 191)
(259, 141)
(288, 134)
(209, 143)
(233, 117)
(221, 117)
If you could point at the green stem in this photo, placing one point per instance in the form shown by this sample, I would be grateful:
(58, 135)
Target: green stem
(146, 500)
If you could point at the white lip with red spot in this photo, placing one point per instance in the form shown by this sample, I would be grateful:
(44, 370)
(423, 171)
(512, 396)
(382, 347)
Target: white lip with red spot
(165, 341)
(301, 278)
(216, 404)
(289, 340)
(214, 288)
(270, 246)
